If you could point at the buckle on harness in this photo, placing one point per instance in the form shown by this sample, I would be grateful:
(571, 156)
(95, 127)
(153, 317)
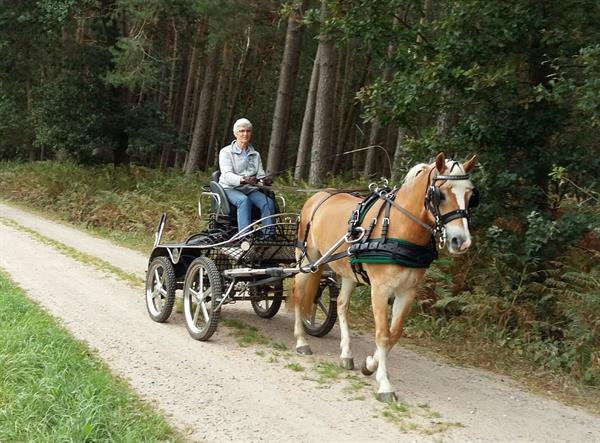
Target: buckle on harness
(361, 233)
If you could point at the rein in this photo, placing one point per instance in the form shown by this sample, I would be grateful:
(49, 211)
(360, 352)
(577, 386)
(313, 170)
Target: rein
(363, 249)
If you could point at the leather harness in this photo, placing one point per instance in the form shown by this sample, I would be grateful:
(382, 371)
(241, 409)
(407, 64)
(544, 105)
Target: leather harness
(386, 250)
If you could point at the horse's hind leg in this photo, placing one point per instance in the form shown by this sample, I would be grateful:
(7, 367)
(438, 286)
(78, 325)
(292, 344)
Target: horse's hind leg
(305, 290)
(346, 359)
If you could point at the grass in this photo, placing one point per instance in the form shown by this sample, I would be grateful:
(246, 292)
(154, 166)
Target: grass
(126, 205)
(420, 419)
(52, 388)
(296, 367)
(245, 334)
(75, 254)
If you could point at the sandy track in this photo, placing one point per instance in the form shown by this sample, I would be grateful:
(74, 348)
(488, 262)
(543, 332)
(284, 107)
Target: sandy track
(218, 391)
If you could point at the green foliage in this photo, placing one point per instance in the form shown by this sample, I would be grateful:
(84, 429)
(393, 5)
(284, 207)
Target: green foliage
(515, 86)
(528, 284)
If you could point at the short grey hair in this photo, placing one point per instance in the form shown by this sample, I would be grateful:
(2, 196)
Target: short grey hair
(241, 123)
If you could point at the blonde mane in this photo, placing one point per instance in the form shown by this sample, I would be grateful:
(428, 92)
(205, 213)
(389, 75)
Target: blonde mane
(452, 168)
(414, 172)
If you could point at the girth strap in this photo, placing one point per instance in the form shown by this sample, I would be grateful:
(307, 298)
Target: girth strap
(395, 251)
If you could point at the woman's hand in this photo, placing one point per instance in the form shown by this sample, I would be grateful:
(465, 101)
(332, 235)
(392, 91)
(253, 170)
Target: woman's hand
(248, 181)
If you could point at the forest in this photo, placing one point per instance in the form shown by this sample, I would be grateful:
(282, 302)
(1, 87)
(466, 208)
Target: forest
(342, 92)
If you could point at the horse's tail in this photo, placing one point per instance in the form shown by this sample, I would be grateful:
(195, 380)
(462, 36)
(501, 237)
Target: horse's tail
(305, 285)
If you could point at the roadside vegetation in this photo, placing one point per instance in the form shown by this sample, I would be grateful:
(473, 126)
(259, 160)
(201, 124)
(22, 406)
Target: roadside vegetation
(53, 388)
(524, 301)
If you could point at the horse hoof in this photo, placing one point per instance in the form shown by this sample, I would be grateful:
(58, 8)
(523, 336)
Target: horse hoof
(347, 363)
(304, 350)
(387, 397)
(365, 371)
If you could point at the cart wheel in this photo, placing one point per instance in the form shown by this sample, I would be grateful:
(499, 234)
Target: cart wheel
(324, 310)
(160, 289)
(202, 291)
(263, 306)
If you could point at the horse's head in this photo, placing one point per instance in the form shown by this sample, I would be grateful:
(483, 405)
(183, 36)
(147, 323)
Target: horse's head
(450, 194)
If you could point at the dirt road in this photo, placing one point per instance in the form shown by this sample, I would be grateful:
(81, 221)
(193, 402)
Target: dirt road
(219, 391)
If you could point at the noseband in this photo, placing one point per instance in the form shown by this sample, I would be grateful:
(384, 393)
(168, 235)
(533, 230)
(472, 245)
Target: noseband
(433, 199)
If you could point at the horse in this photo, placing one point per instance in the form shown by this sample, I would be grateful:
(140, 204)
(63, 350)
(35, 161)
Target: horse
(432, 205)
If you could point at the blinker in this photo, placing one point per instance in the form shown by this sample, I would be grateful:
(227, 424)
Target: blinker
(474, 200)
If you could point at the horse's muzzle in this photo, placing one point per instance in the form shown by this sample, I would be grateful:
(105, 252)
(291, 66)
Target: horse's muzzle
(459, 244)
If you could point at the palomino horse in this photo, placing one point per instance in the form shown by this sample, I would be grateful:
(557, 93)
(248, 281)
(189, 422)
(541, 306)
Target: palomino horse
(434, 199)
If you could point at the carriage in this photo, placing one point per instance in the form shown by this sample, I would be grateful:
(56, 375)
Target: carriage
(392, 236)
(221, 266)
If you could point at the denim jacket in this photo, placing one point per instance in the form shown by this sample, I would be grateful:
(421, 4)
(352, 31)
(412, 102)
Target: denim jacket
(234, 165)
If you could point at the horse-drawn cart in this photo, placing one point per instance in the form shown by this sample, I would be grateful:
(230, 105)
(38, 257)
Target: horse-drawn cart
(391, 238)
(221, 266)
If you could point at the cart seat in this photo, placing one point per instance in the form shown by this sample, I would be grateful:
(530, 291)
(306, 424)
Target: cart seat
(225, 212)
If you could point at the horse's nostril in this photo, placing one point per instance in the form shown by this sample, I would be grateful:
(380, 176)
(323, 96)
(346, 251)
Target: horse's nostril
(455, 242)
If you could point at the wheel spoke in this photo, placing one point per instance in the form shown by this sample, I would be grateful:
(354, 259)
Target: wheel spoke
(157, 279)
(205, 312)
(201, 282)
(195, 294)
(313, 315)
(196, 312)
(322, 306)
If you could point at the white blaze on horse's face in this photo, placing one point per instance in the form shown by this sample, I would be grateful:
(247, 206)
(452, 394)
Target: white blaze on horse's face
(457, 194)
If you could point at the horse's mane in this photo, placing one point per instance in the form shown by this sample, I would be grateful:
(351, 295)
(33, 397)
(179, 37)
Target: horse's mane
(414, 172)
(453, 168)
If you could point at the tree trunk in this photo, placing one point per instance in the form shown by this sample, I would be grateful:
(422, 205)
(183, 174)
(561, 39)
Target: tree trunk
(117, 95)
(200, 136)
(166, 151)
(324, 104)
(235, 89)
(397, 163)
(285, 91)
(189, 88)
(307, 124)
(213, 145)
(374, 133)
(189, 84)
(351, 117)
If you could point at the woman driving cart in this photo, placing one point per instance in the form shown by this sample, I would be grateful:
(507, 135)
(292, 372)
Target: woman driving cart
(241, 172)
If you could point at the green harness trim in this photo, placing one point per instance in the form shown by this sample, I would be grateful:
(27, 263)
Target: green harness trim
(393, 251)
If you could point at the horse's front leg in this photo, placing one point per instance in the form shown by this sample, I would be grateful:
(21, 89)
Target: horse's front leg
(378, 361)
(346, 359)
(402, 306)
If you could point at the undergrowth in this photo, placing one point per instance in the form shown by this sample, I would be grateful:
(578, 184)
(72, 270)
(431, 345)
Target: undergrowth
(529, 288)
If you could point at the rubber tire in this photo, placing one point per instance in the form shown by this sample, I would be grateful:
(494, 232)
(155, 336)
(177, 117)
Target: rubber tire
(162, 313)
(212, 276)
(257, 291)
(320, 329)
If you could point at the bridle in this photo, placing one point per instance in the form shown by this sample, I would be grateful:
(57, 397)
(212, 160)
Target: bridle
(433, 198)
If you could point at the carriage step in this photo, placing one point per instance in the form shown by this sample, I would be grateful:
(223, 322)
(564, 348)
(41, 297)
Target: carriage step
(248, 272)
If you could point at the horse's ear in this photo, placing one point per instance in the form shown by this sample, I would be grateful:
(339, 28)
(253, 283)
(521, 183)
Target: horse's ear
(440, 162)
(470, 164)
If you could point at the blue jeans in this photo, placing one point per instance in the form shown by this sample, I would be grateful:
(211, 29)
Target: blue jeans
(244, 202)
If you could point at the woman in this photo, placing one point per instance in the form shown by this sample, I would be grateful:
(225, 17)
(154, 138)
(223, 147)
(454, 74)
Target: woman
(241, 170)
